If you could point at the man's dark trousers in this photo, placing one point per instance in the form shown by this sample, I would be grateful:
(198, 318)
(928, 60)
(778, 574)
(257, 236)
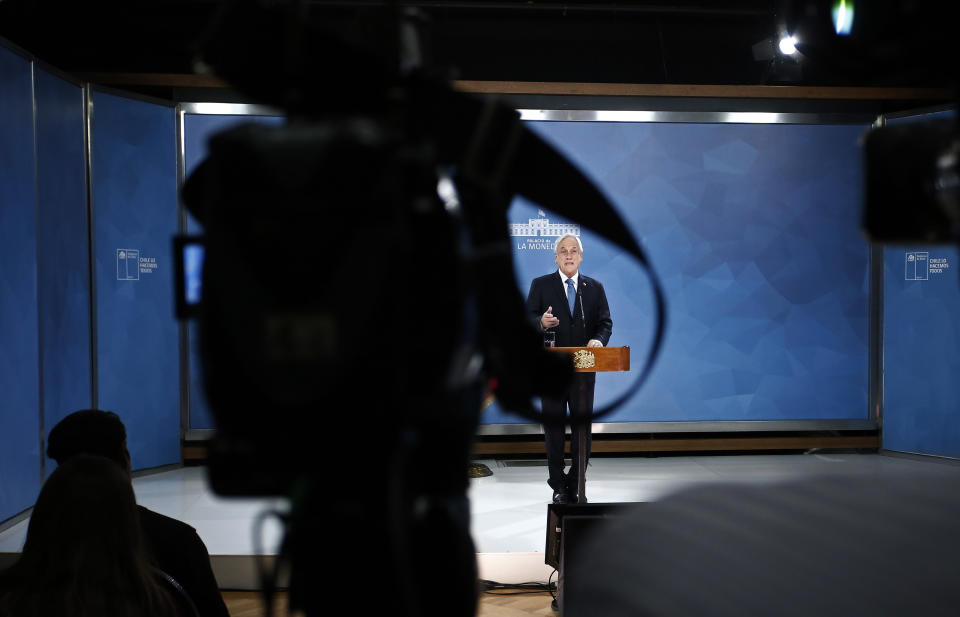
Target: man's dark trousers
(579, 397)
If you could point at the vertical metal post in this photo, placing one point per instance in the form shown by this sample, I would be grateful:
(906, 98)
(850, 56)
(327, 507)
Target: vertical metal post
(91, 237)
(877, 265)
(183, 328)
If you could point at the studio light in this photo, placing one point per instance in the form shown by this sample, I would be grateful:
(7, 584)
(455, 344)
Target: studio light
(788, 45)
(783, 59)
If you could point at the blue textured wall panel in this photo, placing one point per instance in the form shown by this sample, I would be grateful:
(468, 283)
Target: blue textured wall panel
(20, 456)
(754, 231)
(63, 259)
(197, 130)
(135, 219)
(921, 410)
(921, 407)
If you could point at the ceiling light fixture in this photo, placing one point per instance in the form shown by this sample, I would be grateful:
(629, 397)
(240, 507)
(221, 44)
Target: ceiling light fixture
(842, 15)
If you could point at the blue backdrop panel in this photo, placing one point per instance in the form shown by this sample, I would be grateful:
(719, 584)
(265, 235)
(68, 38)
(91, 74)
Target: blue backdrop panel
(921, 350)
(63, 259)
(134, 179)
(20, 456)
(197, 130)
(754, 232)
(921, 407)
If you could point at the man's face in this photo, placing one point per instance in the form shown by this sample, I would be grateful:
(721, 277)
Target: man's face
(568, 256)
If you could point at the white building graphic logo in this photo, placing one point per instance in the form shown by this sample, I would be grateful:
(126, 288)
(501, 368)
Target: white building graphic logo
(539, 231)
(917, 266)
(128, 264)
(131, 264)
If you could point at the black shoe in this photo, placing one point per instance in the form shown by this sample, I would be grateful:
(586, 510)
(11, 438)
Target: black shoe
(554, 605)
(561, 497)
(577, 499)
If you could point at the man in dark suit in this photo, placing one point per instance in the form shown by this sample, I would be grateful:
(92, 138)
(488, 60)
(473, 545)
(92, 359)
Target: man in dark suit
(573, 307)
(173, 546)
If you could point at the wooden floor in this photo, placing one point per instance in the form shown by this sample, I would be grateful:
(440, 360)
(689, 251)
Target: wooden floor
(496, 604)
(505, 604)
(250, 604)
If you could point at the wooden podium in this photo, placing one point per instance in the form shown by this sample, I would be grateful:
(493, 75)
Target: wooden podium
(597, 359)
(593, 360)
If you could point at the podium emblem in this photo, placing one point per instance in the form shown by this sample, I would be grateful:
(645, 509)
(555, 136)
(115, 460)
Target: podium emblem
(584, 359)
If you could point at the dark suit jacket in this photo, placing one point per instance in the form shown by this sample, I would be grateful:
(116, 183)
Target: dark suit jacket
(591, 318)
(177, 550)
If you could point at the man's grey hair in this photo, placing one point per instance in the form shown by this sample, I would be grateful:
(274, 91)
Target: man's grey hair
(556, 245)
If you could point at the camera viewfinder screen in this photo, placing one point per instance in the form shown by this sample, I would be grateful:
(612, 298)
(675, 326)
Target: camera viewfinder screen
(192, 273)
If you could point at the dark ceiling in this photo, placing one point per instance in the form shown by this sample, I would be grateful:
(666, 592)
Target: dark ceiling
(894, 43)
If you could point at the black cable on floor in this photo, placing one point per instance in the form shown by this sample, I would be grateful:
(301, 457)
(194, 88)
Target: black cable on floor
(493, 587)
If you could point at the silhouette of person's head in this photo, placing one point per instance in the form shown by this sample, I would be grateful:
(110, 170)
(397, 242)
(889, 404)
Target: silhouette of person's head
(89, 431)
(84, 554)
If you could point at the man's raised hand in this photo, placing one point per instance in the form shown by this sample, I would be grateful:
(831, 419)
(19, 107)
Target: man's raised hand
(547, 320)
